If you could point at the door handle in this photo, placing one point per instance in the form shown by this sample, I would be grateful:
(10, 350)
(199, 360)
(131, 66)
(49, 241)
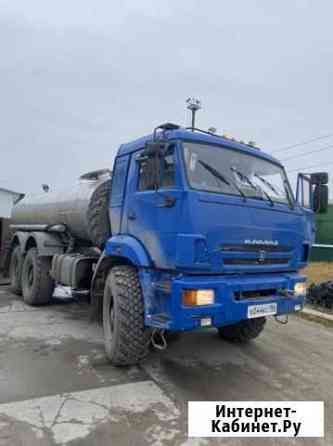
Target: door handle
(131, 215)
(169, 202)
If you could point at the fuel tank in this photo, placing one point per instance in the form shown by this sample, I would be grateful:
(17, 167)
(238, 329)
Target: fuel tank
(83, 208)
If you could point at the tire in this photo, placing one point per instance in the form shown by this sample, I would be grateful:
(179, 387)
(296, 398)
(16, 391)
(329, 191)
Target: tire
(125, 335)
(243, 331)
(15, 270)
(37, 284)
(98, 215)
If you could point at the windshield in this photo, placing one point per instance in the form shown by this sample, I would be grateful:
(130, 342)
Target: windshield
(222, 170)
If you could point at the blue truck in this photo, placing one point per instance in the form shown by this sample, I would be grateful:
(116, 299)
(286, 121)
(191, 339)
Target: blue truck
(191, 230)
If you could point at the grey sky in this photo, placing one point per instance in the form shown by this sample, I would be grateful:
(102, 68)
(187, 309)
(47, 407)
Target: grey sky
(79, 77)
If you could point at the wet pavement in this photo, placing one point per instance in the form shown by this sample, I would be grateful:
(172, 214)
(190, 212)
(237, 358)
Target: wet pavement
(57, 388)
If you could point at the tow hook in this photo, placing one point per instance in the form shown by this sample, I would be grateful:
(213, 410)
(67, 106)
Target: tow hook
(158, 339)
(283, 319)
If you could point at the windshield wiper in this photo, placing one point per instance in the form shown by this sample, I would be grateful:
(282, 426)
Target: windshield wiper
(285, 186)
(268, 184)
(214, 172)
(256, 188)
(218, 175)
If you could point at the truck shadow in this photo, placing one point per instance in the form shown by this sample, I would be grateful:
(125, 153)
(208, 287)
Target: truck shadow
(202, 366)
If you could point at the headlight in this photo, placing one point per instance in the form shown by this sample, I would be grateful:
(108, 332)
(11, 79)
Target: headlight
(300, 289)
(198, 297)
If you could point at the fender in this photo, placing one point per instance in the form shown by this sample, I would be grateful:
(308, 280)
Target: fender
(118, 250)
(47, 244)
(129, 248)
(19, 238)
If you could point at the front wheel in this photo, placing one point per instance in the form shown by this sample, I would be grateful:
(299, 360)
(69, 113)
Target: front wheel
(125, 335)
(243, 331)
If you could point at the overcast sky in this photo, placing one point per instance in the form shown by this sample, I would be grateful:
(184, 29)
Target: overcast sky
(79, 77)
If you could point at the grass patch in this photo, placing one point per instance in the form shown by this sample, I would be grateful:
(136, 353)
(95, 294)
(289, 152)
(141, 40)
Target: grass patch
(315, 318)
(319, 272)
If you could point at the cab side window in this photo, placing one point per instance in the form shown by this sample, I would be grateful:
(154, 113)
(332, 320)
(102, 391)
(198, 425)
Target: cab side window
(168, 177)
(167, 172)
(145, 176)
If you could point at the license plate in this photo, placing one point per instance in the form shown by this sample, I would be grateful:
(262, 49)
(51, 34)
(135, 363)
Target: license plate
(261, 310)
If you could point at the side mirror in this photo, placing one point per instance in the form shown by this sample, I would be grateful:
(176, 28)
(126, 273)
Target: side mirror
(320, 198)
(150, 158)
(319, 178)
(152, 149)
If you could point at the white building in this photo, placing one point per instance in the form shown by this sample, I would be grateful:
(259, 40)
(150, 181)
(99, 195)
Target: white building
(7, 199)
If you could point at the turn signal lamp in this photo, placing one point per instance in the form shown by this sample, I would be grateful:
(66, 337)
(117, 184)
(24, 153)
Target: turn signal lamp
(300, 289)
(198, 297)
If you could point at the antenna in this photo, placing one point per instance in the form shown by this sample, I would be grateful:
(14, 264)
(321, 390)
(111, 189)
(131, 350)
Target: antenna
(194, 105)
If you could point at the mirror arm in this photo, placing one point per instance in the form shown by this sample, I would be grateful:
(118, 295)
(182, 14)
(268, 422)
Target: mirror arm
(157, 171)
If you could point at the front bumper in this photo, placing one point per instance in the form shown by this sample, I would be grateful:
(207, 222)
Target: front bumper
(164, 308)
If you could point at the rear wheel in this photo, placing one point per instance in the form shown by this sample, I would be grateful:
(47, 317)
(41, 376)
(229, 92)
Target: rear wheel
(243, 331)
(125, 335)
(37, 284)
(15, 270)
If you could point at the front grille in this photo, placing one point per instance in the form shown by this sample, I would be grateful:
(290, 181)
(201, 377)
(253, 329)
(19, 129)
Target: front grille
(270, 261)
(255, 248)
(258, 294)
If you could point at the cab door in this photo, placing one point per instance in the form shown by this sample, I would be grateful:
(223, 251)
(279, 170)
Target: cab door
(153, 213)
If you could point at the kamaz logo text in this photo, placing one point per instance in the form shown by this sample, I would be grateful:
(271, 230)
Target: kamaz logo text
(261, 242)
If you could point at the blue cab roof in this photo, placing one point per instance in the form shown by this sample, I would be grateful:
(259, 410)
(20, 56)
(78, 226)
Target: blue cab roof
(199, 137)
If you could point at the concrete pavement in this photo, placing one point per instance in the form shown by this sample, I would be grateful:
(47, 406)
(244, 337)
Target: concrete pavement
(57, 388)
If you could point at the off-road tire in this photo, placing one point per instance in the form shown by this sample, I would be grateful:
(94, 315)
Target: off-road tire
(37, 284)
(15, 270)
(243, 331)
(125, 335)
(98, 214)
